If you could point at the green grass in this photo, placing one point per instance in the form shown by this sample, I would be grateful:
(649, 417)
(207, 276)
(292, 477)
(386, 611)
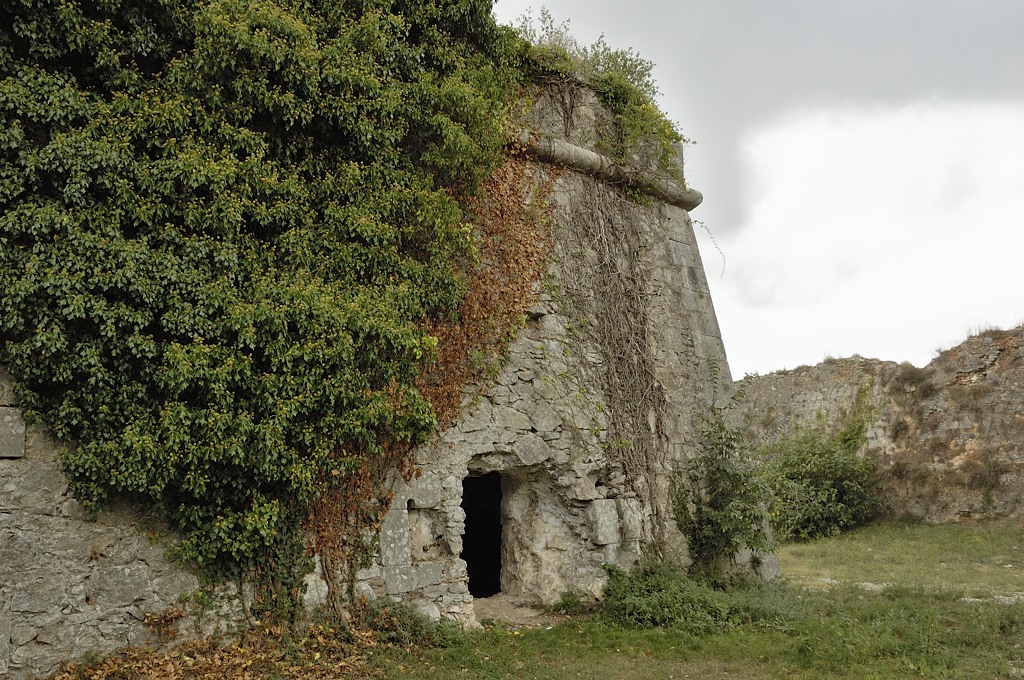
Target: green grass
(920, 626)
(980, 559)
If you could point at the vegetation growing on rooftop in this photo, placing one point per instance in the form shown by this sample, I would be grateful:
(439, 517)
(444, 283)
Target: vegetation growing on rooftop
(623, 80)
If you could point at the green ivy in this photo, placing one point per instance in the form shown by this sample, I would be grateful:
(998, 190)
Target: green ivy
(221, 224)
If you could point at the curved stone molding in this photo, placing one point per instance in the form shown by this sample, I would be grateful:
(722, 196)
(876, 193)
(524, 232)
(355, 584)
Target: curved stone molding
(560, 152)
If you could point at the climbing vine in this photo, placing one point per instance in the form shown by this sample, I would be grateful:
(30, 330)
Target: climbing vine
(603, 274)
(226, 230)
(237, 266)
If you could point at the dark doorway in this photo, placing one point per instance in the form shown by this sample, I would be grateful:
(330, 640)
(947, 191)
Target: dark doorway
(481, 544)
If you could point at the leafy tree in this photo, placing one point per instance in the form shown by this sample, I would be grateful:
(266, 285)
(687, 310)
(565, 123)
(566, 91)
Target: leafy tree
(222, 223)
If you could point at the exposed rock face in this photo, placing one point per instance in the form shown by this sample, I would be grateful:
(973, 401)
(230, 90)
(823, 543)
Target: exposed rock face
(71, 583)
(948, 438)
(589, 418)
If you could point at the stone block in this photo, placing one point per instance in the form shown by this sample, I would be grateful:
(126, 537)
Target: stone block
(531, 449)
(543, 416)
(429, 573)
(40, 596)
(478, 417)
(120, 586)
(428, 609)
(604, 520)
(399, 579)
(12, 433)
(395, 549)
(425, 492)
(174, 584)
(317, 591)
(507, 377)
(511, 419)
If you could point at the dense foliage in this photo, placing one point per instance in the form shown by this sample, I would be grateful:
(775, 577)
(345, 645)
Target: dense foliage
(819, 485)
(660, 595)
(721, 505)
(222, 224)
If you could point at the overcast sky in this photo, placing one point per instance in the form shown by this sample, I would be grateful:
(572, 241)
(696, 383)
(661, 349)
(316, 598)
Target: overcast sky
(862, 164)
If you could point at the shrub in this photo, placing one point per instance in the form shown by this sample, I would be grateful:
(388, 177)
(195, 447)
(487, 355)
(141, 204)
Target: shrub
(720, 504)
(819, 485)
(622, 80)
(659, 595)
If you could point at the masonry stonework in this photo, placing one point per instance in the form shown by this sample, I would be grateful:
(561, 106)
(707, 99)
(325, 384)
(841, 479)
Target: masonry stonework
(70, 583)
(588, 421)
(582, 430)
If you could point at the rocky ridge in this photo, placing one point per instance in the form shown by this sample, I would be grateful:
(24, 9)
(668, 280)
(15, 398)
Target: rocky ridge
(948, 437)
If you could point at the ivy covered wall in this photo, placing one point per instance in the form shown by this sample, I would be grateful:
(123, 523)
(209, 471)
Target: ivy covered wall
(223, 228)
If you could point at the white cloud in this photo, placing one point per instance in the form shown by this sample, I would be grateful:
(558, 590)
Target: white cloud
(882, 232)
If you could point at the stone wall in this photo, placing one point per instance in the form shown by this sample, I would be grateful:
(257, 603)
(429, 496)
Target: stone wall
(588, 420)
(584, 425)
(70, 583)
(948, 438)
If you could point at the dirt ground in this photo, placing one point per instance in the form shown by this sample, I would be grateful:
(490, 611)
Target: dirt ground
(510, 611)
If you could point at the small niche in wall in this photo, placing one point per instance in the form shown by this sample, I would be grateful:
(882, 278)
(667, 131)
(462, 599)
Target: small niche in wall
(481, 544)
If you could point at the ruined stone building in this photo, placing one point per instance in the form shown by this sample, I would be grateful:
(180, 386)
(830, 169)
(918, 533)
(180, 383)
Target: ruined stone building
(560, 464)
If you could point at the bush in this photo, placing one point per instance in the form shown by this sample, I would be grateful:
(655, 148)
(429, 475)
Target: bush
(659, 595)
(819, 485)
(622, 80)
(720, 504)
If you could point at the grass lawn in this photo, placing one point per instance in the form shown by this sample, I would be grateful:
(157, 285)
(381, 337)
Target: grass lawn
(887, 601)
(979, 559)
